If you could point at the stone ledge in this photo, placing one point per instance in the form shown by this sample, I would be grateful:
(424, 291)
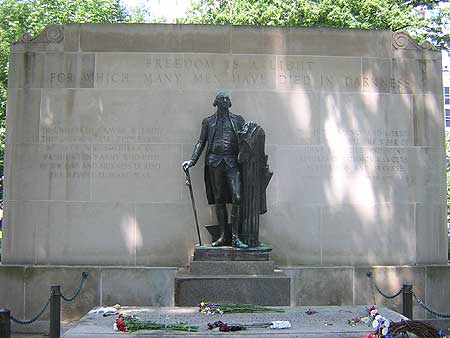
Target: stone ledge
(303, 325)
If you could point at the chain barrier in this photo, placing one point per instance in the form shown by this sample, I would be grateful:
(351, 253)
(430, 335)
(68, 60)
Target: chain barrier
(428, 309)
(18, 321)
(372, 283)
(84, 276)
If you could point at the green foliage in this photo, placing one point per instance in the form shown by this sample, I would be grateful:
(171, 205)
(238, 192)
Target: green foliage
(19, 16)
(392, 15)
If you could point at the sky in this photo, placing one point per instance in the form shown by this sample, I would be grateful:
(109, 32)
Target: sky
(169, 9)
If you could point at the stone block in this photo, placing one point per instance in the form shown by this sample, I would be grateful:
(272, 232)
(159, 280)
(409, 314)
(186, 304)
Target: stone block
(376, 76)
(297, 41)
(174, 71)
(428, 121)
(419, 76)
(436, 290)
(22, 116)
(26, 70)
(51, 172)
(165, 233)
(369, 119)
(12, 290)
(131, 172)
(123, 116)
(231, 267)
(271, 290)
(321, 285)
(348, 234)
(21, 225)
(264, 40)
(339, 173)
(295, 233)
(427, 172)
(142, 286)
(329, 74)
(431, 234)
(155, 38)
(338, 42)
(390, 280)
(37, 290)
(288, 118)
(72, 37)
(84, 241)
(253, 72)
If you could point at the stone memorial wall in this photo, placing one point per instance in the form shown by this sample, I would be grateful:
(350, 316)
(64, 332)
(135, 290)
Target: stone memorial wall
(100, 118)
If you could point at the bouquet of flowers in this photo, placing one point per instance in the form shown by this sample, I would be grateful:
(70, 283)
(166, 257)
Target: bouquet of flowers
(224, 327)
(132, 324)
(212, 308)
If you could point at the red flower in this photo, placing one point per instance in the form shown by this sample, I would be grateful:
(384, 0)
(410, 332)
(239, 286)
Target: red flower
(121, 324)
(373, 307)
(224, 328)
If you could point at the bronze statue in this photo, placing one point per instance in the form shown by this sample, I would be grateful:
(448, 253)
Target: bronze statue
(224, 134)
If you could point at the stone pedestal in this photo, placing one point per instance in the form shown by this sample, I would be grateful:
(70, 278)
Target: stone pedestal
(229, 275)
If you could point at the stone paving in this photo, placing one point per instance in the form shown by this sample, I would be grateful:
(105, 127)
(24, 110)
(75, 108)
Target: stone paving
(329, 321)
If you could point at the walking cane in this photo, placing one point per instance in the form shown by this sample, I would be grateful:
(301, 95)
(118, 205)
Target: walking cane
(189, 184)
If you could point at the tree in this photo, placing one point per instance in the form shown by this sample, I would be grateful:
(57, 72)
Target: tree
(19, 16)
(393, 15)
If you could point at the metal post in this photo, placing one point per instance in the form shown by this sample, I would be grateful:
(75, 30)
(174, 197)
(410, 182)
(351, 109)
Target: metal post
(55, 311)
(5, 323)
(407, 301)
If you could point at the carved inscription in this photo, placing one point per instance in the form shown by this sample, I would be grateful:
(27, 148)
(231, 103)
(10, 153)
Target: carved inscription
(373, 162)
(66, 161)
(113, 161)
(233, 71)
(55, 134)
(373, 137)
(125, 161)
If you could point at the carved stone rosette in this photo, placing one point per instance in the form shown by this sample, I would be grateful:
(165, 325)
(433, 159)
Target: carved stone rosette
(401, 40)
(51, 34)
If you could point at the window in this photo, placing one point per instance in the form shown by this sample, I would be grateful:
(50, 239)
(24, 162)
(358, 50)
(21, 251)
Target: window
(446, 91)
(447, 113)
(447, 100)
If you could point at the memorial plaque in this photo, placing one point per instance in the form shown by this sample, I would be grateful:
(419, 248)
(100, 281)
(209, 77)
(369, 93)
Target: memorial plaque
(100, 118)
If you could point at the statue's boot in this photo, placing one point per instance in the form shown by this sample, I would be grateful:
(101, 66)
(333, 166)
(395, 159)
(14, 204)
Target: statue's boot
(225, 234)
(235, 222)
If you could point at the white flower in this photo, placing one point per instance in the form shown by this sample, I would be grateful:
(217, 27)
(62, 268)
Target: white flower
(375, 324)
(115, 327)
(373, 313)
(387, 323)
(385, 331)
(280, 324)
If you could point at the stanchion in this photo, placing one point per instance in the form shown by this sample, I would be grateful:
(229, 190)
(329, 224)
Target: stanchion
(407, 294)
(55, 311)
(5, 323)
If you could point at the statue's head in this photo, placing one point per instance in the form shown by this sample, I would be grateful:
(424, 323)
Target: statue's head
(222, 100)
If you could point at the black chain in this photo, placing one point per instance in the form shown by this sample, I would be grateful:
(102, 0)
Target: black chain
(18, 321)
(428, 309)
(84, 276)
(369, 275)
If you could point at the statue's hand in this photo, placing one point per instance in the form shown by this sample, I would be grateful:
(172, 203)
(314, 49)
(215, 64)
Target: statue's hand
(251, 124)
(187, 164)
